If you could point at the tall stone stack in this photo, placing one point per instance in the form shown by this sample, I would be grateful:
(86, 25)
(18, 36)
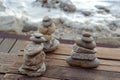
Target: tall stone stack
(34, 57)
(84, 52)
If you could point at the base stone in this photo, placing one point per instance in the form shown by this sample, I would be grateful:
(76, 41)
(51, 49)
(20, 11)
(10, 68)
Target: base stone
(39, 72)
(83, 63)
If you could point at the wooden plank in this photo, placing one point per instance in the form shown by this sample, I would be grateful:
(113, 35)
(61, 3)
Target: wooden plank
(22, 77)
(104, 53)
(75, 73)
(18, 46)
(102, 61)
(9, 59)
(59, 60)
(109, 53)
(6, 66)
(6, 45)
(110, 65)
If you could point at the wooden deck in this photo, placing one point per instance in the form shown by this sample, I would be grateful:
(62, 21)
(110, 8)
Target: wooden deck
(57, 69)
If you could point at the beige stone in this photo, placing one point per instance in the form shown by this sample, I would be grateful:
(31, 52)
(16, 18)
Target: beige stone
(47, 30)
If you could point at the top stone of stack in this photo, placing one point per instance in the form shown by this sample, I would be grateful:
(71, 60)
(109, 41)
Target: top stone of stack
(87, 37)
(86, 41)
(46, 21)
(37, 38)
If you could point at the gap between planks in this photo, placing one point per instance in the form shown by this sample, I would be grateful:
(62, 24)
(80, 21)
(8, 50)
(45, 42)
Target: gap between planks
(6, 45)
(18, 45)
(1, 40)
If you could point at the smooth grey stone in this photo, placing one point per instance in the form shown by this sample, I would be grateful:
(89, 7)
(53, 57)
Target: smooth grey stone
(79, 49)
(87, 39)
(37, 38)
(83, 56)
(91, 45)
(47, 24)
(83, 63)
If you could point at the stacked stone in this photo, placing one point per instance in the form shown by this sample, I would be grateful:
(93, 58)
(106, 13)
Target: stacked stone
(84, 52)
(34, 57)
(47, 28)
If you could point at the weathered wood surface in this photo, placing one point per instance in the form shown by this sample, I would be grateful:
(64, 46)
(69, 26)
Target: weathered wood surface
(57, 68)
(7, 44)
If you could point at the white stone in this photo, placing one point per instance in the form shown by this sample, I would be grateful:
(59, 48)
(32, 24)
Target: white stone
(10, 24)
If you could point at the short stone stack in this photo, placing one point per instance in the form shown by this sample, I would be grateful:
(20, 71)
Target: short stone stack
(84, 52)
(47, 28)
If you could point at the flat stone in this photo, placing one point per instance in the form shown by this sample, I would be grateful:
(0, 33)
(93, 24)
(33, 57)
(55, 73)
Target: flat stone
(87, 34)
(37, 40)
(91, 45)
(47, 24)
(83, 63)
(37, 35)
(87, 39)
(33, 48)
(79, 49)
(83, 56)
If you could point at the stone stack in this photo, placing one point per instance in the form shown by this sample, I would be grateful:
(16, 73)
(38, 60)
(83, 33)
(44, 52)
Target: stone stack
(84, 52)
(34, 57)
(47, 28)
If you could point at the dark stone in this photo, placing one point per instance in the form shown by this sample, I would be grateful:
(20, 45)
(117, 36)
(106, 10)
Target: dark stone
(102, 8)
(29, 27)
(67, 6)
(86, 13)
(87, 34)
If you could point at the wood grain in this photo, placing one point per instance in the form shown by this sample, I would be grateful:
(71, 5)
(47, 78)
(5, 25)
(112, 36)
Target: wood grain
(6, 45)
(18, 46)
